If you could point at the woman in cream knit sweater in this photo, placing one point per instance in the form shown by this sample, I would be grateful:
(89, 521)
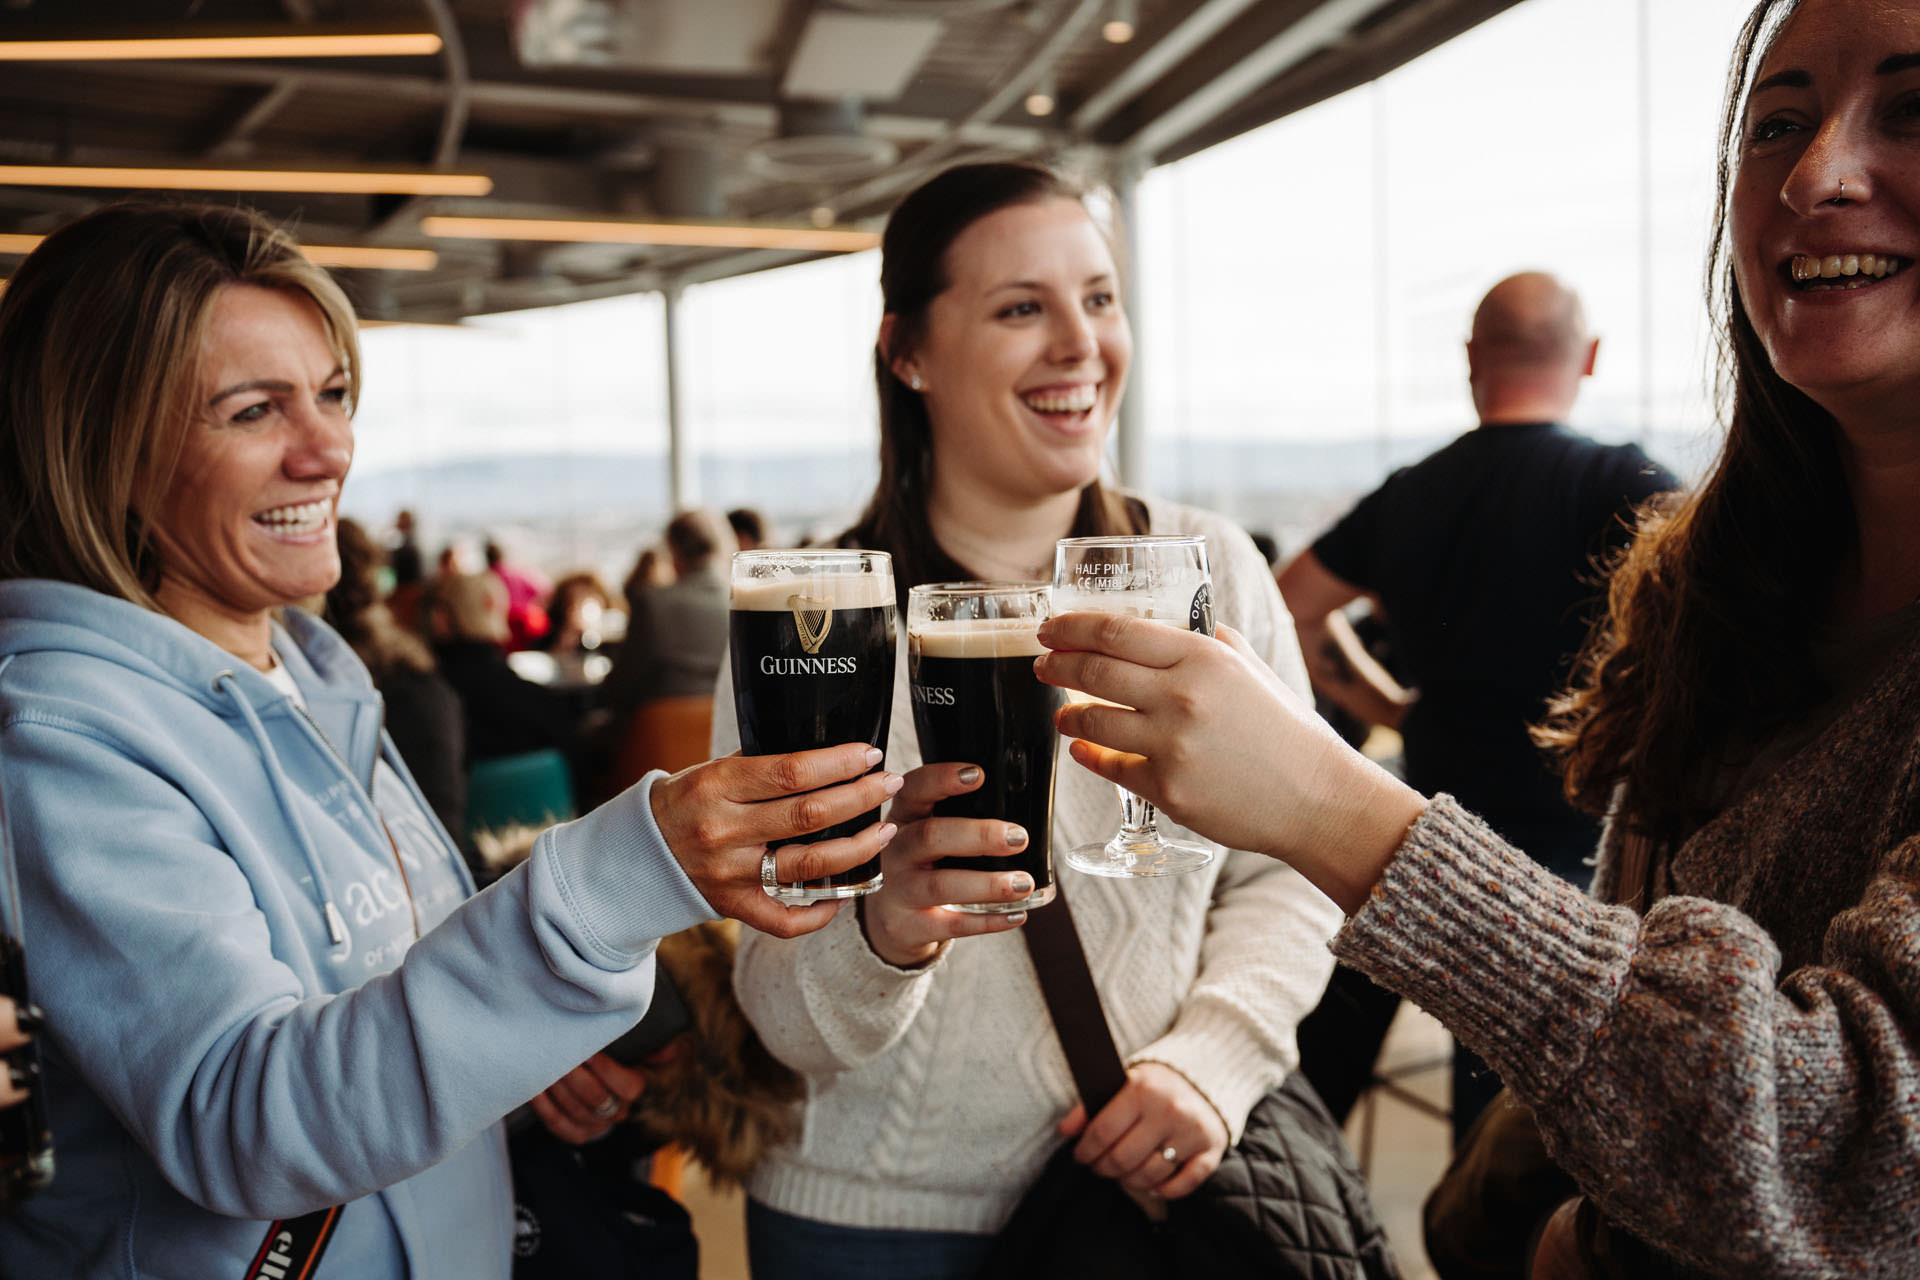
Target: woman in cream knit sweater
(936, 1087)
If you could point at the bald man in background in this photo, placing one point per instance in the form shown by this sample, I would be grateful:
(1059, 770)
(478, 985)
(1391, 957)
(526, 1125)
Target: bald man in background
(1480, 560)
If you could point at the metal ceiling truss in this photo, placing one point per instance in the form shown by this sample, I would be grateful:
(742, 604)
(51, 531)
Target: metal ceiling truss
(585, 141)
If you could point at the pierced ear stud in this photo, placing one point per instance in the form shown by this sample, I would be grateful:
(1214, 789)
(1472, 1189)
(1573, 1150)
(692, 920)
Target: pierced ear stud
(915, 382)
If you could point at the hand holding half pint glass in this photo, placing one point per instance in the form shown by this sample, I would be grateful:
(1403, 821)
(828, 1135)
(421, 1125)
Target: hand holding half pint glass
(812, 636)
(1163, 580)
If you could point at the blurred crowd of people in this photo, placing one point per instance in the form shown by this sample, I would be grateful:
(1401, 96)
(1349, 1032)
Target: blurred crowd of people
(483, 663)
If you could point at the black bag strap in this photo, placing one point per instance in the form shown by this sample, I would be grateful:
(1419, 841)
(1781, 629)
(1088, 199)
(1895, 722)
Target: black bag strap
(293, 1246)
(1074, 1003)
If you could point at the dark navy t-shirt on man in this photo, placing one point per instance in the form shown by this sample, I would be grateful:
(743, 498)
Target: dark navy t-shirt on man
(1483, 557)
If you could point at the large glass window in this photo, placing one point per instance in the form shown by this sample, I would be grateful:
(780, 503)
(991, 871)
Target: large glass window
(1308, 287)
(545, 429)
(781, 407)
(1305, 293)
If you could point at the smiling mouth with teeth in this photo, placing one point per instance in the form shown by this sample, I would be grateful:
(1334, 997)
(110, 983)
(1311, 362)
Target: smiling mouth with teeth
(1077, 400)
(1843, 270)
(305, 517)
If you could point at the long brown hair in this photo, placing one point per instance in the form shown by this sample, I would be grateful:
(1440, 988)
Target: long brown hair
(1707, 638)
(101, 332)
(913, 272)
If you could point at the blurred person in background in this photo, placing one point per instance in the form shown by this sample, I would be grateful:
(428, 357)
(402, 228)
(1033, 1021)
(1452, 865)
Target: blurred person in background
(409, 569)
(676, 633)
(403, 553)
(749, 528)
(421, 711)
(1000, 362)
(506, 714)
(527, 592)
(278, 1019)
(1721, 1046)
(1482, 561)
(650, 571)
(575, 612)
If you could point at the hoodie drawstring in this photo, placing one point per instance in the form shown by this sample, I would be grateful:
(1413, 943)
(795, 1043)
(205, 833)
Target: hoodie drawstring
(282, 787)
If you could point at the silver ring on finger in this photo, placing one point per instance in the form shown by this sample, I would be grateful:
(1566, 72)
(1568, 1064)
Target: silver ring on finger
(1170, 1155)
(769, 877)
(607, 1109)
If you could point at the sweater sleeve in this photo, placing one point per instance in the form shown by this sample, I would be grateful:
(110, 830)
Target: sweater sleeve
(171, 995)
(1263, 959)
(1676, 1074)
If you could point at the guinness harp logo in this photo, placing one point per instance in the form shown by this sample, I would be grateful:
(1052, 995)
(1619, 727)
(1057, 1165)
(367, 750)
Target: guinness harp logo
(812, 619)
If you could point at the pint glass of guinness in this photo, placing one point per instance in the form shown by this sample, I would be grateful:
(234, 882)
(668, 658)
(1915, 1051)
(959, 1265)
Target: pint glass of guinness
(812, 636)
(970, 650)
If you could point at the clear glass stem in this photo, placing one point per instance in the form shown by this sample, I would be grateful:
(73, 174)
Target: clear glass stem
(1137, 826)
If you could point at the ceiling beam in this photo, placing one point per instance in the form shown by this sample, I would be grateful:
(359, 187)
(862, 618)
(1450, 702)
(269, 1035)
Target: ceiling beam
(598, 104)
(453, 113)
(236, 139)
(1033, 64)
(1372, 53)
(1239, 61)
(1156, 56)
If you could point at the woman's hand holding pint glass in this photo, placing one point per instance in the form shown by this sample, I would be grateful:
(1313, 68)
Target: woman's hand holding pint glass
(812, 641)
(976, 699)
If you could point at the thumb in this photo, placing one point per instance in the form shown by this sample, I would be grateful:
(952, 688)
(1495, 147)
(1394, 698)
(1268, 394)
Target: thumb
(1073, 1122)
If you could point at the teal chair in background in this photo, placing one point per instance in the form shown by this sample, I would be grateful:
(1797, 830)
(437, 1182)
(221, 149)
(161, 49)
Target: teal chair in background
(534, 788)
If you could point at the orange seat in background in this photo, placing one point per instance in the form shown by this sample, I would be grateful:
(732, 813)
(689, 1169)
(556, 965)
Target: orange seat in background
(664, 733)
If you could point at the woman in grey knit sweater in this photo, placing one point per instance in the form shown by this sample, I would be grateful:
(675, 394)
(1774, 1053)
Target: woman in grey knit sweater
(1722, 1047)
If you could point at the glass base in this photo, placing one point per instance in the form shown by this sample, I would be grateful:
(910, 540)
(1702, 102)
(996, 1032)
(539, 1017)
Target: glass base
(799, 895)
(1038, 898)
(1125, 857)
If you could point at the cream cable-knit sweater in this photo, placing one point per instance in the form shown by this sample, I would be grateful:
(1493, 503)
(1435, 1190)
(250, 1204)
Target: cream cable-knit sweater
(932, 1094)
(1734, 1077)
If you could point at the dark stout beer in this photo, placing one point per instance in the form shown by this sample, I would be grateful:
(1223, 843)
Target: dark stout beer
(977, 701)
(813, 667)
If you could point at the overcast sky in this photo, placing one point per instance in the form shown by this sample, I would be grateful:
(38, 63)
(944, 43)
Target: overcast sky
(1310, 280)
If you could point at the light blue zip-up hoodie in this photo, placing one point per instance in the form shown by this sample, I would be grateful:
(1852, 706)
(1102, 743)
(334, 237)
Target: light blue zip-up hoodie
(241, 1026)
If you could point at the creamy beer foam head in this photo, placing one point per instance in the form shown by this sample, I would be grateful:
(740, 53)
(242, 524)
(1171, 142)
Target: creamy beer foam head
(841, 591)
(978, 638)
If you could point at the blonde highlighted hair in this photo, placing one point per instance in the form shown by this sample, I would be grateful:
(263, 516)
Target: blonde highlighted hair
(101, 332)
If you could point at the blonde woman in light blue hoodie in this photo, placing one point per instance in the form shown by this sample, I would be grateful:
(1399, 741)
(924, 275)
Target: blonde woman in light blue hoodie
(280, 1022)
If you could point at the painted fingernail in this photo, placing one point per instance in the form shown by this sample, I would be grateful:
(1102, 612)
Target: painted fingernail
(1019, 884)
(874, 756)
(29, 1018)
(1015, 918)
(21, 1078)
(1016, 835)
(970, 775)
(893, 783)
(887, 832)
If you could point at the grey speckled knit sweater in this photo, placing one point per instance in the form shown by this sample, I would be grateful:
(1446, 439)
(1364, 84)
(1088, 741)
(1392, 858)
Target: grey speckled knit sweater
(1733, 1077)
